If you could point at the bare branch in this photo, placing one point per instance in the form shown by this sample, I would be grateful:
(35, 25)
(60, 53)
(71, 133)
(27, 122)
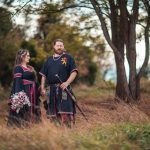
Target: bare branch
(104, 28)
(20, 8)
(147, 42)
(141, 25)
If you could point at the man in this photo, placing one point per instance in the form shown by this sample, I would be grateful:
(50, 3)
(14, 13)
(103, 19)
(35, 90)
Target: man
(60, 105)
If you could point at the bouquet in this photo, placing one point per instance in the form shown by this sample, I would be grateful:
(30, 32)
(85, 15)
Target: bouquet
(18, 100)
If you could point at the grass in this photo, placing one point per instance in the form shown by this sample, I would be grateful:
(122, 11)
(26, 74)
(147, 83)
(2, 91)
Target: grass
(124, 136)
(4, 93)
(83, 92)
(121, 128)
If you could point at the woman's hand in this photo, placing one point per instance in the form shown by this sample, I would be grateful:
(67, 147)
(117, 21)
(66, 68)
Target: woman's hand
(43, 91)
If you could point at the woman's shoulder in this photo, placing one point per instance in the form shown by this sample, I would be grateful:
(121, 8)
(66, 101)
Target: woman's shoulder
(18, 68)
(22, 68)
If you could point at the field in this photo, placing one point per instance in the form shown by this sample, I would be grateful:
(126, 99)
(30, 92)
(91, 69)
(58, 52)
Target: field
(111, 125)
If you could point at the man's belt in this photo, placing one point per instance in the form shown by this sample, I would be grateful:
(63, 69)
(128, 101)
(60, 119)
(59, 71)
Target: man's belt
(54, 85)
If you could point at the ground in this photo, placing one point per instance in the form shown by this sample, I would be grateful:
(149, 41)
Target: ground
(105, 117)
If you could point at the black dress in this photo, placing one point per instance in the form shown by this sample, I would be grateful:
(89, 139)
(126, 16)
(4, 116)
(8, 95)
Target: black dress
(29, 109)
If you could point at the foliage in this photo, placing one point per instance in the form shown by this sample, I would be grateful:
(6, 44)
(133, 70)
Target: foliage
(7, 54)
(146, 73)
(88, 75)
(38, 56)
(5, 22)
(54, 25)
(138, 133)
(51, 25)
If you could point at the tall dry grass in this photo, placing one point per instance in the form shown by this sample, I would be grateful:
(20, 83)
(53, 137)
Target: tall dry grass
(46, 136)
(111, 125)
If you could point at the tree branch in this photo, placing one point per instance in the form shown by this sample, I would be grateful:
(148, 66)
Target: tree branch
(104, 28)
(20, 8)
(147, 42)
(135, 10)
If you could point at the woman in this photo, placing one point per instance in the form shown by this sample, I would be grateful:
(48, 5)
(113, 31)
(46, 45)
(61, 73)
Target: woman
(24, 100)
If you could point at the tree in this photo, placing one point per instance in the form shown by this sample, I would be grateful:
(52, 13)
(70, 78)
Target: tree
(123, 29)
(10, 39)
(144, 68)
(52, 26)
(5, 22)
(122, 16)
(9, 45)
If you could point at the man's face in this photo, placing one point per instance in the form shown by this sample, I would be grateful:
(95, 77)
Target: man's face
(58, 47)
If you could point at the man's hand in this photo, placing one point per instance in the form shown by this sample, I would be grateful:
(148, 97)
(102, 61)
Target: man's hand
(43, 91)
(64, 85)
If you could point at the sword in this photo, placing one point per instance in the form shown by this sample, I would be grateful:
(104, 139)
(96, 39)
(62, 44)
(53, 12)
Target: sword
(72, 97)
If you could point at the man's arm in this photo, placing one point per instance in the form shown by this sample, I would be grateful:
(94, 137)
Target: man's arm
(69, 81)
(43, 90)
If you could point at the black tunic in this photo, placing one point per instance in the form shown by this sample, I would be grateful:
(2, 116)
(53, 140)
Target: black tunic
(59, 101)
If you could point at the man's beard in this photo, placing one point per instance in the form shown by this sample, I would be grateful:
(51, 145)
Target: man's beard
(59, 51)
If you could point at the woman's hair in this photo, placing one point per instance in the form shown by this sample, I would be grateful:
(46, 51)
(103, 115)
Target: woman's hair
(20, 54)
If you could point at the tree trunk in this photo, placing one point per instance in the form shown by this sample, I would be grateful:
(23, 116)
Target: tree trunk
(117, 27)
(147, 49)
(122, 89)
(131, 57)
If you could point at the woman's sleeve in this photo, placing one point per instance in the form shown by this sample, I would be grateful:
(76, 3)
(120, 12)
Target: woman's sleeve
(44, 69)
(17, 82)
(72, 65)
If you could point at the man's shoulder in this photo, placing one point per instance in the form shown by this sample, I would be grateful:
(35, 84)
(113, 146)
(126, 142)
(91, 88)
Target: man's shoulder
(67, 55)
(49, 58)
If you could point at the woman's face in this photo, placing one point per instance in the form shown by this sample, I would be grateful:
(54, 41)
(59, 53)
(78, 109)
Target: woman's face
(26, 58)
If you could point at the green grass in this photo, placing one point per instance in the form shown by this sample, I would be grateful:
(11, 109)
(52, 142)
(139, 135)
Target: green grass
(103, 137)
(93, 92)
(123, 137)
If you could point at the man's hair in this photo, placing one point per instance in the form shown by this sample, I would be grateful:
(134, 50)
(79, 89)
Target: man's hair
(57, 40)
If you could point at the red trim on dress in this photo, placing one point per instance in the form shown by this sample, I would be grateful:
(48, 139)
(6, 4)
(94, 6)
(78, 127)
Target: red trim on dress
(28, 82)
(17, 75)
(25, 69)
